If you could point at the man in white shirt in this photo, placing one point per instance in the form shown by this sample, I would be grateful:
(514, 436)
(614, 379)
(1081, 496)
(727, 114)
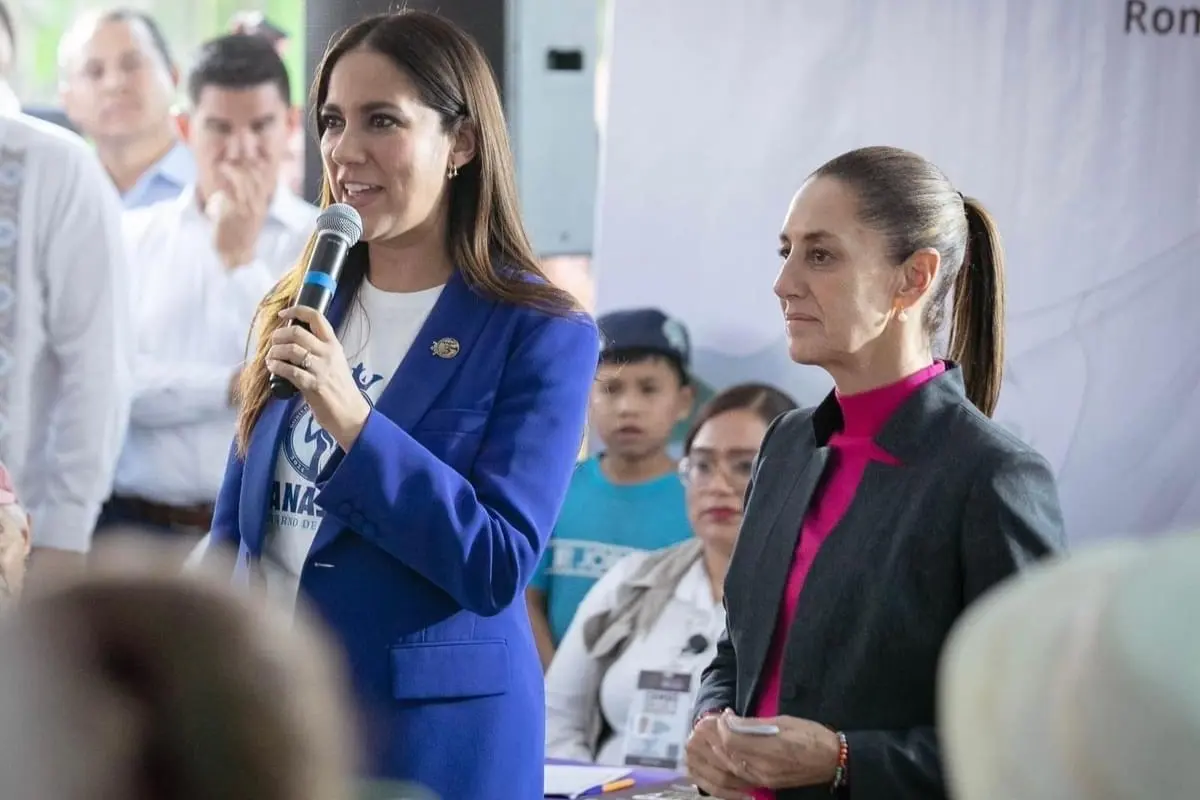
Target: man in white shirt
(256, 24)
(117, 83)
(201, 264)
(64, 371)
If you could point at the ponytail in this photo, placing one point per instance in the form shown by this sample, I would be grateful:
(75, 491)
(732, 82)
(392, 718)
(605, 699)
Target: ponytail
(977, 327)
(914, 206)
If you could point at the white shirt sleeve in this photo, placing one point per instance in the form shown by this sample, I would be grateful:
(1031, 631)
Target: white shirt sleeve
(172, 392)
(574, 678)
(251, 284)
(82, 256)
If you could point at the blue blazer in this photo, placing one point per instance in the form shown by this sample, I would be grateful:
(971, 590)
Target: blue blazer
(434, 524)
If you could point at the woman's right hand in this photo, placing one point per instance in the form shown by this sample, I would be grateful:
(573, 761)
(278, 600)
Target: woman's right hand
(709, 766)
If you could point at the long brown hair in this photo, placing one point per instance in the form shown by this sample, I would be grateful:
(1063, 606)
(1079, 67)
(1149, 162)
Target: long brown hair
(486, 237)
(913, 204)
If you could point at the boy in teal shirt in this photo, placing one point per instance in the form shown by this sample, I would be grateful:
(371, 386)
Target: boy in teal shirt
(628, 498)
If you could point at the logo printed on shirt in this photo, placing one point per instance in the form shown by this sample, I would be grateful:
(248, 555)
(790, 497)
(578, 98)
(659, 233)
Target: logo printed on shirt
(307, 446)
(583, 559)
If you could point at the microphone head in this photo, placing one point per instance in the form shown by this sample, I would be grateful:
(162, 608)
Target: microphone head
(342, 220)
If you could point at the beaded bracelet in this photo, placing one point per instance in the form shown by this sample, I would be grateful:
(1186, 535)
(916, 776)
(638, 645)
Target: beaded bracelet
(840, 775)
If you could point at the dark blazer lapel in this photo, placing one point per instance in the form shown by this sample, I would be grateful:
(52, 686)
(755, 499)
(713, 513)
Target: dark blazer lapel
(906, 433)
(865, 532)
(863, 535)
(774, 561)
(448, 335)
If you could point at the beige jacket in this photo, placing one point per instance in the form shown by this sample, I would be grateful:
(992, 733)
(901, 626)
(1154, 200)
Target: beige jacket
(641, 599)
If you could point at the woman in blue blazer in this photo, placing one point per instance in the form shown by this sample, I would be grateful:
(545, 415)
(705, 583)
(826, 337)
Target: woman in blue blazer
(409, 491)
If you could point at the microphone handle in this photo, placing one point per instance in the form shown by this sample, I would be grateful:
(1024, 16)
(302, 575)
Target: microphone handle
(320, 283)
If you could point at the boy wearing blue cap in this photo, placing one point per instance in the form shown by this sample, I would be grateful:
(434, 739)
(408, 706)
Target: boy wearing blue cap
(628, 498)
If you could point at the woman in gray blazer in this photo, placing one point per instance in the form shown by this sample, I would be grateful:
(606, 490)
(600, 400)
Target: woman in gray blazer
(874, 519)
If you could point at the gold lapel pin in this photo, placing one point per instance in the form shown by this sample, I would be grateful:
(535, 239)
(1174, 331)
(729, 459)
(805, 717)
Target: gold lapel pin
(446, 347)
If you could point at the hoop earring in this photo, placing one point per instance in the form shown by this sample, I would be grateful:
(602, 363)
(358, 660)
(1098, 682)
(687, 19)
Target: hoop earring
(452, 172)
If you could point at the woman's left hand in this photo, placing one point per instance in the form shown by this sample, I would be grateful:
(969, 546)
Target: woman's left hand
(314, 362)
(803, 753)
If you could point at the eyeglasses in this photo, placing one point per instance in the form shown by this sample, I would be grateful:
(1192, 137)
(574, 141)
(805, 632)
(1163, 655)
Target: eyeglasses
(701, 469)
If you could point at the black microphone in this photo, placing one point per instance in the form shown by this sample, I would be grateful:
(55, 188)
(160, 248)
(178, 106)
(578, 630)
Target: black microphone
(339, 227)
(696, 645)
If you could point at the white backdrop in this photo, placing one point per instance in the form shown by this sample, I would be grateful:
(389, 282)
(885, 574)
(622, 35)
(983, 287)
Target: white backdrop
(1079, 136)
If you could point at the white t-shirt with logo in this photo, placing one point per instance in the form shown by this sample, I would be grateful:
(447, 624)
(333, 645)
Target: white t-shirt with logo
(377, 334)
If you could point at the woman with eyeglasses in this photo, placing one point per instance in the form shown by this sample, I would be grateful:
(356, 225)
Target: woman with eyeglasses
(656, 616)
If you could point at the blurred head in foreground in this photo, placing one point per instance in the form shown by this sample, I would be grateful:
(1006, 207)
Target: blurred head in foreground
(133, 684)
(1080, 680)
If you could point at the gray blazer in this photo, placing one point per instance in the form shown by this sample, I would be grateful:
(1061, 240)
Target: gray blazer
(967, 506)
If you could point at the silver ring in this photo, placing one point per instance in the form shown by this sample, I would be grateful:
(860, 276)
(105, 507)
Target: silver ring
(307, 362)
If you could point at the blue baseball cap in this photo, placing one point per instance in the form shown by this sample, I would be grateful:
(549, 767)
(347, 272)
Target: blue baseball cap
(645, 329)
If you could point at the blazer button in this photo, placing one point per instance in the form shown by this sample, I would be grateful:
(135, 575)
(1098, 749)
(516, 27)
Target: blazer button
(357, 520)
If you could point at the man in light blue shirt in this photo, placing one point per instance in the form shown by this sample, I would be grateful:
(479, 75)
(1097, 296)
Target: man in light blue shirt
(164, 180)
(117, 86)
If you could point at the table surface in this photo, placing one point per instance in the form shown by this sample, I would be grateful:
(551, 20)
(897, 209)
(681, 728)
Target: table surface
(647, 788)
(648, 780)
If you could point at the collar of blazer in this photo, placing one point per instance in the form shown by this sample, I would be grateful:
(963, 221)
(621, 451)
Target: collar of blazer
(906, 432)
